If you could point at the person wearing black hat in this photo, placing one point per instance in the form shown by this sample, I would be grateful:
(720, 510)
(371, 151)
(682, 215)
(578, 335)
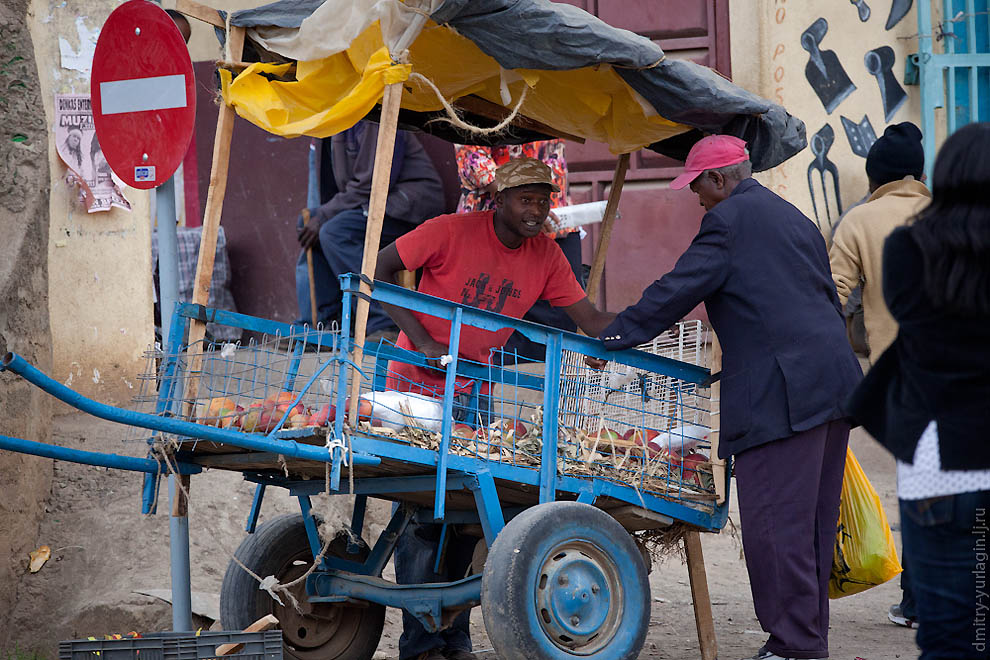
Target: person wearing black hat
(894, 166)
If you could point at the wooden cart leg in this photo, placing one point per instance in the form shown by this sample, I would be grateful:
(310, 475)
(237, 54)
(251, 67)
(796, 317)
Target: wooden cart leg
(699, 594)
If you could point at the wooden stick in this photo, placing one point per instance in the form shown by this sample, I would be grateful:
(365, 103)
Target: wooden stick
(715, 420)
(309, 268)
(388, 124)
(200, 12)
(611, 209)
(211, 228)
(266, 622)
(703, 618)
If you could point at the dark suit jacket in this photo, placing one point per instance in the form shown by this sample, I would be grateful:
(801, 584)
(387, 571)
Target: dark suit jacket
(762, 270)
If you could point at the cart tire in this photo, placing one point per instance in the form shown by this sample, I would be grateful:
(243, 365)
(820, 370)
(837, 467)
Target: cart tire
(565, 580)
(324, 631)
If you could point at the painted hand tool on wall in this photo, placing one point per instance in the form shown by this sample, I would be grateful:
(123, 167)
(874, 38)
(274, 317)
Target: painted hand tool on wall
(824, 71)
(821, 142)
(880, 64)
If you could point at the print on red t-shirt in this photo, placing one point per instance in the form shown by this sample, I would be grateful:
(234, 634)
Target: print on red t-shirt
(464, 261)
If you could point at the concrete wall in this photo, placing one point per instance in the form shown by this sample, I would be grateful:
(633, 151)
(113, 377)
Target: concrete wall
(25, 412)
(770, 57)
(100, 288)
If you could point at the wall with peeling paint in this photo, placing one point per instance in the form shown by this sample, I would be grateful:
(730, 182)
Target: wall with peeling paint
(99, 264)
(839, 66)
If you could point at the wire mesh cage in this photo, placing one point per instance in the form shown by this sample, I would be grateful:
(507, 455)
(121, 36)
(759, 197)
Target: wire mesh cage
(630, 426)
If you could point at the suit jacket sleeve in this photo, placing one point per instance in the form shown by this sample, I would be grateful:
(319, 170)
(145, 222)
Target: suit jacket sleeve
(699, 273)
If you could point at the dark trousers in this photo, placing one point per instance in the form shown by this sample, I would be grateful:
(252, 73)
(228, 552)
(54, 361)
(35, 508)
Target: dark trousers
(908, 605)
(947, 550)
(415, 559)
(545, 313)
(340, 251)
(788, 508)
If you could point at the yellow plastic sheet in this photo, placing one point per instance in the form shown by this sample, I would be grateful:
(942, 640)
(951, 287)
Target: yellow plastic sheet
(865, 555)
(332, 94)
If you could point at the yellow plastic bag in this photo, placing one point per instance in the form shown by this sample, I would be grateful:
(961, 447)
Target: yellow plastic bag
(865, 555)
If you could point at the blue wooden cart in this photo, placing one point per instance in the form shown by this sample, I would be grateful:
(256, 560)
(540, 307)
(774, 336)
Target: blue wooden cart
(552, 495)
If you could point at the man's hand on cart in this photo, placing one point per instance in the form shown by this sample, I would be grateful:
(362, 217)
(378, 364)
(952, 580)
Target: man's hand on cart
(432, 349)
(595, 363)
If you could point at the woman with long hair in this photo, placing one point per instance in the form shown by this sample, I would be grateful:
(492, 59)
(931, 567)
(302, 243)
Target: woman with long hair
(927, 399)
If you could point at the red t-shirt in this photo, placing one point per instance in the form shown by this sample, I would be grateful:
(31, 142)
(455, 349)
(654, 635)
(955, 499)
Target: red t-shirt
(464, 261)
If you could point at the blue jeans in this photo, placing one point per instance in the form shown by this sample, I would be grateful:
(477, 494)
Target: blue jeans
(340, 251)
(415, 559)
(947, 551)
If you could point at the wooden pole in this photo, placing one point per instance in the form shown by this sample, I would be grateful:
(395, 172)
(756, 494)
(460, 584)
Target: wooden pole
(703, 618)
(388, 125)
(211, 228)
(309, 269)
(611, 209)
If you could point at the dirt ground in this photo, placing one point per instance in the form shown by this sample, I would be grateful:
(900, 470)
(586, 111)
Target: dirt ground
(105, 552)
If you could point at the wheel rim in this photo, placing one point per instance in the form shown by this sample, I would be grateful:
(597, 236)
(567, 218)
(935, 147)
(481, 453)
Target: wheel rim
(579, 597)
(320, 630)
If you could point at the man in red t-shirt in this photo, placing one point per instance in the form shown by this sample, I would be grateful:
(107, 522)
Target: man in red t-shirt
(495, 260)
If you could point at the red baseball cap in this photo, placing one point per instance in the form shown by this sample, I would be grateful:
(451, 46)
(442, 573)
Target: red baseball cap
(710, 153)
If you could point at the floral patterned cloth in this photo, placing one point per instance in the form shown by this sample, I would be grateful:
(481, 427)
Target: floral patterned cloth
(476, 168)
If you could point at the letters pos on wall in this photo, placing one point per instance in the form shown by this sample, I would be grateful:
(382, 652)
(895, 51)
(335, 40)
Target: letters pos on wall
(144, 102)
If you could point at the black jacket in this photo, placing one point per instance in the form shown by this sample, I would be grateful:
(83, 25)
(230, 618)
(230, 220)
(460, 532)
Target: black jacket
(762, 270)
(938, 369)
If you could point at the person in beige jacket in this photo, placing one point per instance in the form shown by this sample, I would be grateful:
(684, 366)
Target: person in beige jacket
(894, 166)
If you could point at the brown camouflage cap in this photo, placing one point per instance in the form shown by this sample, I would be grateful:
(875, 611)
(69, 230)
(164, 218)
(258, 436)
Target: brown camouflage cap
(523, 171)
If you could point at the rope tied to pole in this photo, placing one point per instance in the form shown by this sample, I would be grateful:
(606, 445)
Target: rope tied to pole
(454, 118)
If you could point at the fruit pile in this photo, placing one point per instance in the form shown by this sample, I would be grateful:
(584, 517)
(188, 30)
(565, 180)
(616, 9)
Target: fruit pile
(264, 416)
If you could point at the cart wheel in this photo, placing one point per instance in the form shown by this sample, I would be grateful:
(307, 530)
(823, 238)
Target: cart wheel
(564, 580)
(323, 631)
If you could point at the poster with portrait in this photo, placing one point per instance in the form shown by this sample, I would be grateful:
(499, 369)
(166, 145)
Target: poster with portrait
(78, 147)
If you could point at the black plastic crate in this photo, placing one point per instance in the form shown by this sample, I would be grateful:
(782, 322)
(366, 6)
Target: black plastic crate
(175, 646)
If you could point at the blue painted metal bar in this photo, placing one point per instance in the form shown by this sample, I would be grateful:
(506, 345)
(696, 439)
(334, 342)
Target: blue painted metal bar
(178, 547)
(486, 320)
(338, 422)
(94, 458)
(489, 506)
(382, 485)
(551, 395)
(253, 323)
(259, 497)
(465, 370)
(168, 252)
(441, 548)
(385, 545)
(21, 367)
(446, 421)
(357, 521)
(293, 371)
(425, 601)
(312, 533)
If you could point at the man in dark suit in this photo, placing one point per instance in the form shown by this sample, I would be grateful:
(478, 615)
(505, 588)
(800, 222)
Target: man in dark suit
(762, 270)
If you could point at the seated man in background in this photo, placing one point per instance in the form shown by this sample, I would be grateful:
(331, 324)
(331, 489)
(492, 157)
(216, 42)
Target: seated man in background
(495, 260)
(476, 169)
(336, 229)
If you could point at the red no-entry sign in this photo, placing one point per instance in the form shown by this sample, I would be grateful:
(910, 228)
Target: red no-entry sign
(144, 103)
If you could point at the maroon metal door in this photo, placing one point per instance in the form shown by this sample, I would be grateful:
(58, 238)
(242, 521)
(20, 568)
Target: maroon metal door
(657, 223)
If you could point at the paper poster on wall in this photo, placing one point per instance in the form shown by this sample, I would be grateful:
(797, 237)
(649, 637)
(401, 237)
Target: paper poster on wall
(79, 149)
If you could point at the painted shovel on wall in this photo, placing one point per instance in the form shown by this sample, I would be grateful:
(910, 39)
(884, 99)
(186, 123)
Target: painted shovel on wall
(863, 9)
(824, 71)
(898, 10)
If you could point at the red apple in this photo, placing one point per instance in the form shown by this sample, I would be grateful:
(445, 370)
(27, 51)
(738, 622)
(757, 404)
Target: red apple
(364, 409)
(325, 416)
(463, 431)
(298, 420)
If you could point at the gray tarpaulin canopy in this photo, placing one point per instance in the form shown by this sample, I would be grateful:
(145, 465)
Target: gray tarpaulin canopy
(525, 38)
